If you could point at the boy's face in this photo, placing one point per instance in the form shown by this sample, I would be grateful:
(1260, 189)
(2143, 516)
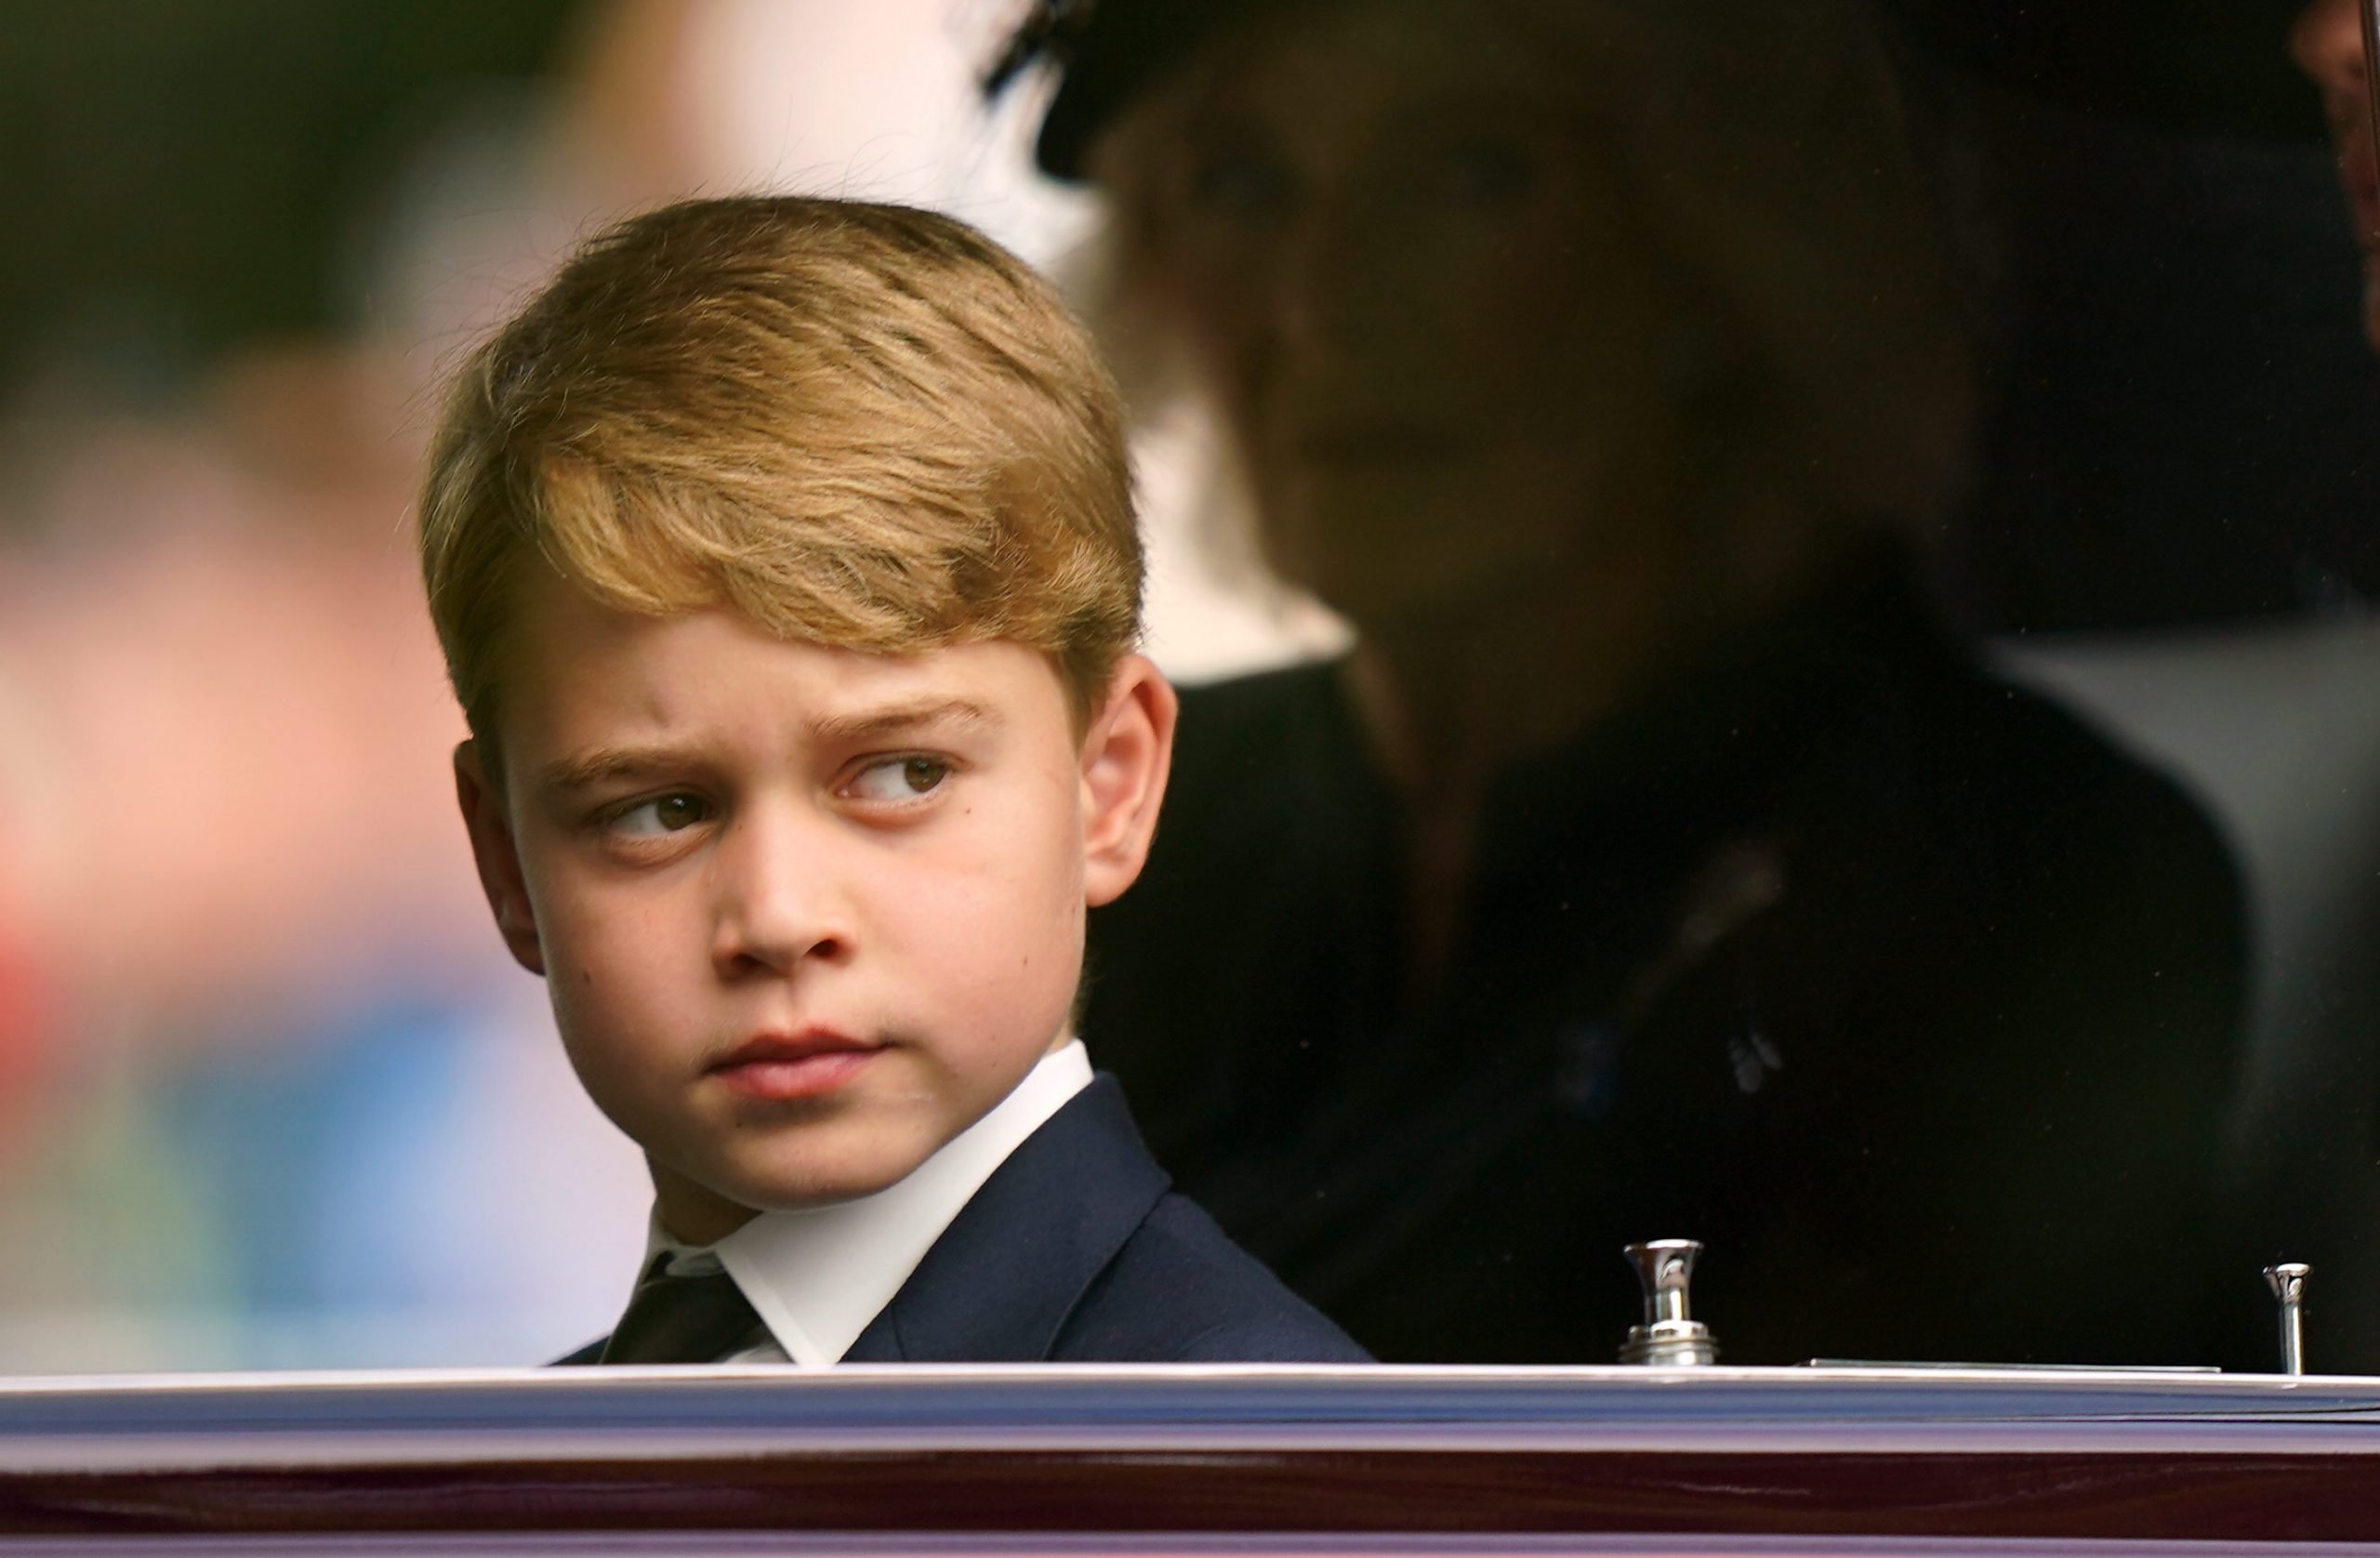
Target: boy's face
(806, 914)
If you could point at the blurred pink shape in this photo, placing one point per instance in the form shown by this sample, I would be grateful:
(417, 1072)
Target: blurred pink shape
(231, 719)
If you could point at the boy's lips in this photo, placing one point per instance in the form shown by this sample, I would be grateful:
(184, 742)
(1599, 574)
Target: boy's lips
(780, 1068)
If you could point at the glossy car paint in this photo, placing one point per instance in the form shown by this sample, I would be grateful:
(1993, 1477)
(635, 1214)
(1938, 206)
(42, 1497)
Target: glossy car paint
(1207, 1460)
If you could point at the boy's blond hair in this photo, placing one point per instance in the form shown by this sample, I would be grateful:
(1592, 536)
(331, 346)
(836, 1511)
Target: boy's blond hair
(862, 426)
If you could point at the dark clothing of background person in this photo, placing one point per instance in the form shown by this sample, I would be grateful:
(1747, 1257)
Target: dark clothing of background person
(2178, 416)
(1893, 983)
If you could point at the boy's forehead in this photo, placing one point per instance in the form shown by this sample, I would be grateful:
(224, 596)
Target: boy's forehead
(577, 670)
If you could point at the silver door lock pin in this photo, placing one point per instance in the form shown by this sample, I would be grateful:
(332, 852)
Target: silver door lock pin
(1670, 1336)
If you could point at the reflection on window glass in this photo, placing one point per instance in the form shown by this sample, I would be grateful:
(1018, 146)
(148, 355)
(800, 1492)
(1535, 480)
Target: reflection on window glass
(1770, 604)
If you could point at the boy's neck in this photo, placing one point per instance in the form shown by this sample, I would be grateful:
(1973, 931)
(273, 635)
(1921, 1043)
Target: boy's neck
(690, 1214)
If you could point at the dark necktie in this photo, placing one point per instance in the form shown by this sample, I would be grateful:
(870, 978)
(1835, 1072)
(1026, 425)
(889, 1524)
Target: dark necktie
(682, 1320)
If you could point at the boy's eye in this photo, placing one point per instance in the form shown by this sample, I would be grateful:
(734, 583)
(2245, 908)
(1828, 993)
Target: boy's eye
(660, 816)
(897, 779)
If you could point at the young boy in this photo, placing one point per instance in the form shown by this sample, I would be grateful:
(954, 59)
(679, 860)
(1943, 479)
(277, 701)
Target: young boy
(784, 558)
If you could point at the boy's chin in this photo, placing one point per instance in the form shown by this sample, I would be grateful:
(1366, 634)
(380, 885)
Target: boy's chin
(808, 1193)
(707, 1206)
(818, 1179)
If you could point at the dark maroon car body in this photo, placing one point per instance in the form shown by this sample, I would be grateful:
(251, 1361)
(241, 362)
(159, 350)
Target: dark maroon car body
(1174, 1460)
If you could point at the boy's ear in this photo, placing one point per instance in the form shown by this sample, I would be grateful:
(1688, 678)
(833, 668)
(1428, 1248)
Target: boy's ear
(498, 859)
(1127, 754)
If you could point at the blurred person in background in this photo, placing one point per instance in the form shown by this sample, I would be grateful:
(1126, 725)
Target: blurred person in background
(1656, 864)
(2327, 44)
(2308, 1127)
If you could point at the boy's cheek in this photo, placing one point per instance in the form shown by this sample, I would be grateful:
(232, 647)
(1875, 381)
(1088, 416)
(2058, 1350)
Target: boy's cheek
(618, 1092)
(583, 918)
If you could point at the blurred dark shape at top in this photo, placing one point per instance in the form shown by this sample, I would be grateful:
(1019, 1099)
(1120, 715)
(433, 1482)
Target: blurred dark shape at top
(2201, 69)
(2183, 427)
(2201, 66)
(2184, 422)
(2179, 420)
(182, 176)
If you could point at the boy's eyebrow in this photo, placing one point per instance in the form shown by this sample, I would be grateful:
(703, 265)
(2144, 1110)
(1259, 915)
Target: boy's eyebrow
(604, 765)
(866, 724)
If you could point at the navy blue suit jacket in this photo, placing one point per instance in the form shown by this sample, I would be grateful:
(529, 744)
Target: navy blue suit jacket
(1077, 1251)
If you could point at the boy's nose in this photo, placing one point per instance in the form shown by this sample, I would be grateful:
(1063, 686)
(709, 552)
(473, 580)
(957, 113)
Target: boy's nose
(775, 903)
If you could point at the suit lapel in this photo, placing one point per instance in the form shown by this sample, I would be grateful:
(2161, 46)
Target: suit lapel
(999, 1284)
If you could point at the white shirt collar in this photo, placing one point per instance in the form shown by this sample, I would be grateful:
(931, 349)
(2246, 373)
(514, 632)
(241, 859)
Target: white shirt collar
(817, 1277)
